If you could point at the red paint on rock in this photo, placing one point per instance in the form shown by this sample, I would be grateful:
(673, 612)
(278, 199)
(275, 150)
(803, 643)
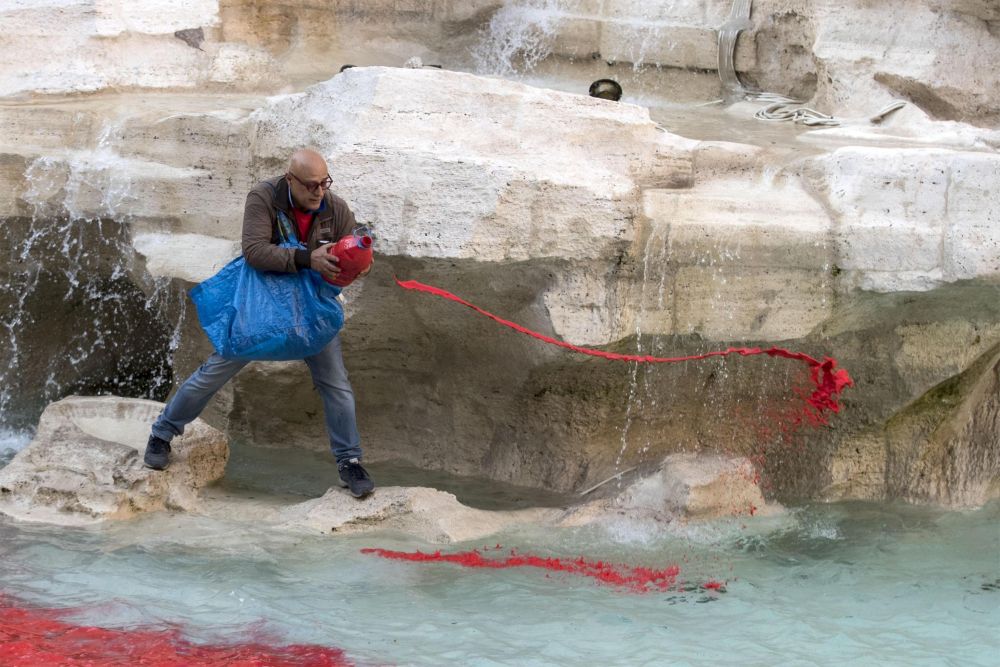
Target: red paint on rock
(633, 578)
(39, 638)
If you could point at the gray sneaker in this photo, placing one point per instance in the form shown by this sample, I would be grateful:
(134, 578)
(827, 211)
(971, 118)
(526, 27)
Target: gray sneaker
(157, 454)
(355, 478)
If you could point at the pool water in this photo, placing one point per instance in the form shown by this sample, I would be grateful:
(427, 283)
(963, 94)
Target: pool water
(857, 583)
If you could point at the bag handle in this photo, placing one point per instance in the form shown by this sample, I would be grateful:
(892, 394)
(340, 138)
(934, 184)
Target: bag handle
(286, 229)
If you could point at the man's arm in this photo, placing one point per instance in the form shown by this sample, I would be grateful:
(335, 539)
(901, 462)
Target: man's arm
(258, 250)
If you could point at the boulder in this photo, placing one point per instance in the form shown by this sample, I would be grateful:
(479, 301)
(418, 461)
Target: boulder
(685, 487)
(85, 464)
(451, 165)
(943, 448)
(428, 514)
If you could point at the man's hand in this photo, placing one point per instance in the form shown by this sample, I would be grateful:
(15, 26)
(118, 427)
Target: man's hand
(324, 262)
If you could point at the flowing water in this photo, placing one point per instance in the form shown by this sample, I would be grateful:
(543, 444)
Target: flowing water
(518, 36)
(825, 584)
(72, 261)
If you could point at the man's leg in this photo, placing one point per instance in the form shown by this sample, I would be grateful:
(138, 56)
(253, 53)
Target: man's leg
(330, 378)
(189, 402)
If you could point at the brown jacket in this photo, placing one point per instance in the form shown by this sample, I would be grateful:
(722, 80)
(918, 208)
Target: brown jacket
(260, 227)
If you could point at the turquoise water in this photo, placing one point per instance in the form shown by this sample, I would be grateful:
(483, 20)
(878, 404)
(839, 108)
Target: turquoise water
(831, 584)
(310, 474)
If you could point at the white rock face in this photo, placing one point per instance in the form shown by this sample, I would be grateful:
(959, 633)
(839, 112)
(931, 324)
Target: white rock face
(431, 515)
(85, 464)
(93, 45)
(89, 184)
(697, 486)
(671, 34)
(447, 164)
(190, 257)
(936, 53)
(913, 219)
(581, 217)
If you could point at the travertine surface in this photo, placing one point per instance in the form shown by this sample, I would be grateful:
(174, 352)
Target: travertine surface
(85, 464)
(684, 487)
(672, 231)
(429, 514)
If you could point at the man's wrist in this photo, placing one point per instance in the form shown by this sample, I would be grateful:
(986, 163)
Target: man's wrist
(302, 259)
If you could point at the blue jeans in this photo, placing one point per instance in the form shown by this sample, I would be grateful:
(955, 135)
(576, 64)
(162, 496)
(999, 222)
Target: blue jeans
(329, 377)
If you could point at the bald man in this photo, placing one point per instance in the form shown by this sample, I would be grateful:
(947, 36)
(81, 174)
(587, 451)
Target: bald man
(302, 196)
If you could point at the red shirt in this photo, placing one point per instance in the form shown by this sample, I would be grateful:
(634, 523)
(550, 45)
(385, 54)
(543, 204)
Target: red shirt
(303, 221)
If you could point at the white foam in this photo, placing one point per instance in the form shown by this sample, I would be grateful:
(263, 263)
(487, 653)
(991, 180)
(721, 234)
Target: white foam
(11, 442)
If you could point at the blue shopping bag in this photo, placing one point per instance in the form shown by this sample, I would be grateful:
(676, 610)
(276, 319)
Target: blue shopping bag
(266, 315)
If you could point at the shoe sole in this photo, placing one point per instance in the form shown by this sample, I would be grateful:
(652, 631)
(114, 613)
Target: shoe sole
(344, 485)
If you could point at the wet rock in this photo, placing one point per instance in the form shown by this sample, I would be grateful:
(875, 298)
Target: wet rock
(572, 216)
(686, 486)
(429, 514)
(85, 464)
(79, 325)
(944, 448)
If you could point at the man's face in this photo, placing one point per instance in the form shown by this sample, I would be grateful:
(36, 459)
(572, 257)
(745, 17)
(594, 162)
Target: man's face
(308, 183)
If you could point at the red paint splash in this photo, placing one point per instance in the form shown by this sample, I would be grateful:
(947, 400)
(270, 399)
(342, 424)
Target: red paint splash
(632, 578)
(33, 637)
(826, 378)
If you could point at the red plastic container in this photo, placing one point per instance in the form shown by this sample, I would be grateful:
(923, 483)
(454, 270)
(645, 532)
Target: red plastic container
(354, 254)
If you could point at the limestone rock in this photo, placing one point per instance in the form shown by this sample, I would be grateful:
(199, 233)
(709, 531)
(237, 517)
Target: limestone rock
(943, 448)
(699, 486)
(767, 262)
(440, 166)
(577, 217)
(449, 165)
(911, 219)
(686, 486)
(115, 44)
(190, 257)
(431, 515)
(85, 464)
(937, 58)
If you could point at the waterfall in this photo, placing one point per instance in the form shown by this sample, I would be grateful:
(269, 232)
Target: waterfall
(519, 35)
(78, 314)
(739, 20)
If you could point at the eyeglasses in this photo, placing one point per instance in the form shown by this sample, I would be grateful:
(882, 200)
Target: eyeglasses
(313, 186)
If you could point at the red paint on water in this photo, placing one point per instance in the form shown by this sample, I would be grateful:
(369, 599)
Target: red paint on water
(33, 637)
(633, 578)
(828, 381)
(713, 585)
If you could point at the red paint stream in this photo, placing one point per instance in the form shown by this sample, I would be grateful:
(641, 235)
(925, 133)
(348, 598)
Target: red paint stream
(33, 637)
(630, 577)
(828, 380)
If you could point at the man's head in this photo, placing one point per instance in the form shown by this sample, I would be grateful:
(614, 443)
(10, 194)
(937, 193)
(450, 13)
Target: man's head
(308, 178)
